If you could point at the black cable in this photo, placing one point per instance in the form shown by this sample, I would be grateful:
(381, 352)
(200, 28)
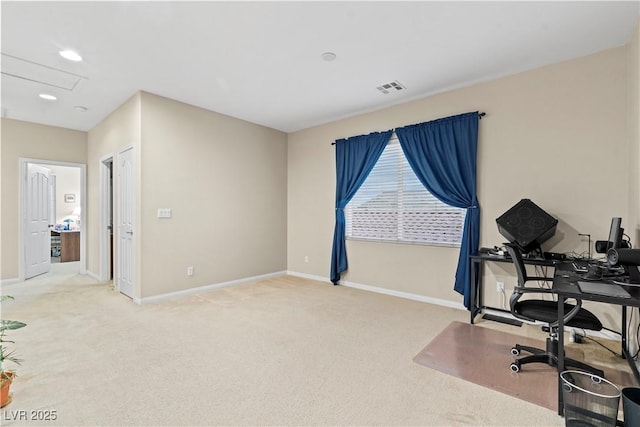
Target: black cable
(574, 256)
(541, 271)
(584, 335)
(635, 356)
(602, 345)
(611, 330)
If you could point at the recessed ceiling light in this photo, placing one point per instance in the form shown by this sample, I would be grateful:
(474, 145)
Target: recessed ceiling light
(70, 55)
(81, 108)
(328, 56)
(47, 97)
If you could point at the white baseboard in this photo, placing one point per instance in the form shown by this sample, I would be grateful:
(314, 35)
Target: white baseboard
(308, 276)
(206, 288)
(406, 295)
(92, 275)
(400, 294)
(5, 282)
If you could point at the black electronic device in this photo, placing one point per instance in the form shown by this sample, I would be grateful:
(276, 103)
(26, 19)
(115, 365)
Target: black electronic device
(602, 246)
(527, 226)
(623, 256)
(616, 232)
(594, 272)
(629, 258)
(491, 251)
(554, 256)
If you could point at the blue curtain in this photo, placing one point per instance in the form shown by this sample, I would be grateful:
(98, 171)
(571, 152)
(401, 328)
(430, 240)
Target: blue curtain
(355, 157)
(442, 153)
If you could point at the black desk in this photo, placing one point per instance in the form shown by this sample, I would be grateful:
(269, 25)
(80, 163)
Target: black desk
(476, 273)
(567, 287)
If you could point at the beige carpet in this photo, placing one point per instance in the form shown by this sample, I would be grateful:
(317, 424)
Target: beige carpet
(285, 351)
(483, 356)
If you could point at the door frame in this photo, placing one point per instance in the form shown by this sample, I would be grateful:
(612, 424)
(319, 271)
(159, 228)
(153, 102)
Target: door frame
(22, 210)
(107, 187)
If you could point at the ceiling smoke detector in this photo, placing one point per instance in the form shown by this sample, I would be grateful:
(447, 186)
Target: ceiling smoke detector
(391, 87)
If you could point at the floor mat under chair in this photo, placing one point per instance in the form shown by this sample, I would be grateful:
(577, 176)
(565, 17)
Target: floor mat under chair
(482, 356)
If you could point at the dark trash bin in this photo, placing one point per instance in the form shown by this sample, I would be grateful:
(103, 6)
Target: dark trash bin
(631, 406)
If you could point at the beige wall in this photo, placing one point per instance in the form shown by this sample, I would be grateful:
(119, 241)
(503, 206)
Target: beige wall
(28, 140)
(633, 119)
(225, 180)
(67, 182)
(546, 135)
(633, 115)
(556, 135)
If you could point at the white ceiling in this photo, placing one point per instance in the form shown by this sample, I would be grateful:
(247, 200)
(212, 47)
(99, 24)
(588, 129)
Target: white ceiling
(261, 61)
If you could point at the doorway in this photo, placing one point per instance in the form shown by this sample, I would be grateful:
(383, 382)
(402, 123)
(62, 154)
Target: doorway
(65, 213)
(39, 194)
(106, 219)
(117, 220)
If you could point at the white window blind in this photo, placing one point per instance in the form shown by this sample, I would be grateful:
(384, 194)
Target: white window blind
(392, 205)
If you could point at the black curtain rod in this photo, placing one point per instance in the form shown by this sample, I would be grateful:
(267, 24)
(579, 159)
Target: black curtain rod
(480, 116)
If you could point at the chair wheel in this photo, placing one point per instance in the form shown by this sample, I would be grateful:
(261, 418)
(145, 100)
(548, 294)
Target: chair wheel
(515, 351)
(515, 367)
(596, 379)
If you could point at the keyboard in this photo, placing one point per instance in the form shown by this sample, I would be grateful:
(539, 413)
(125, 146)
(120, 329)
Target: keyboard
(580, 265)
(573, 268)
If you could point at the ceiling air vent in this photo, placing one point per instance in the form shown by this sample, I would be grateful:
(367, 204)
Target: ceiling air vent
(391, 87)
(38, 73)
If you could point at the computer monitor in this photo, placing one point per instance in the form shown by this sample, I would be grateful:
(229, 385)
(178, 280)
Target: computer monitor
(615, 234)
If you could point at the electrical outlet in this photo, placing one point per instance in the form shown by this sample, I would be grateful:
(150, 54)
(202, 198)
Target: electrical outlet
(306, 258)
(499, 286)
(189, 271)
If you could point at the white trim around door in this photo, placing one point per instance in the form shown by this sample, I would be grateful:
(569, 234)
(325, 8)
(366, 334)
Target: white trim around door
(22, 190)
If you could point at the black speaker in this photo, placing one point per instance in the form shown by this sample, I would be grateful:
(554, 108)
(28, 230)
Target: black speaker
(623, 256)
(526, 225)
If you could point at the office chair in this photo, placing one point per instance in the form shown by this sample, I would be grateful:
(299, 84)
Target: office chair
(546, 311)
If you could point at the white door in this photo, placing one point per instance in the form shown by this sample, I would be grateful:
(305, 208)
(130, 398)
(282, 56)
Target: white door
(38, 234)
(125, 270)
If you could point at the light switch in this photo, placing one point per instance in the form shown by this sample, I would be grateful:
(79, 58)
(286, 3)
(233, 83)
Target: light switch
(164, 212)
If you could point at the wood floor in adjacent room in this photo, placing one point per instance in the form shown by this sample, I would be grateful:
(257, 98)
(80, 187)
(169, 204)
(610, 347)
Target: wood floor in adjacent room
(284, 351)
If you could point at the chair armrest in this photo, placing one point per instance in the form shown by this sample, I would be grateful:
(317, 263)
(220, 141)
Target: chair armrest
(571, 314)
(522, 290)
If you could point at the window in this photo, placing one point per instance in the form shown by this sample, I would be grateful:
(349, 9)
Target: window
(393, 206)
